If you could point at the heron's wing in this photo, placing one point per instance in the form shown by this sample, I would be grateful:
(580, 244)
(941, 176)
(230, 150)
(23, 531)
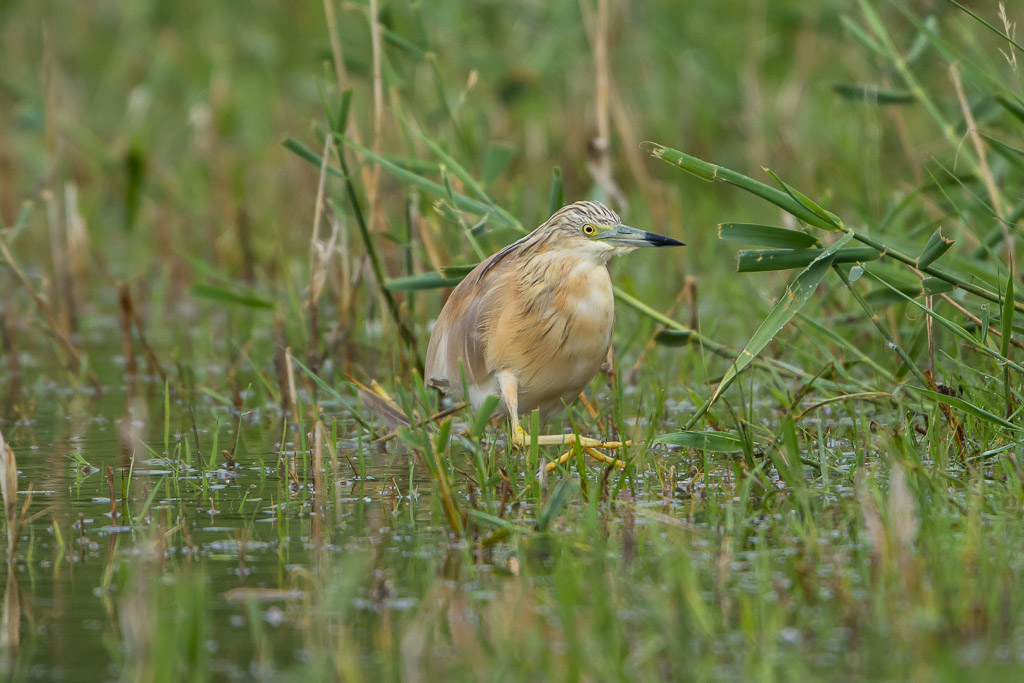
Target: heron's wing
(459, 341)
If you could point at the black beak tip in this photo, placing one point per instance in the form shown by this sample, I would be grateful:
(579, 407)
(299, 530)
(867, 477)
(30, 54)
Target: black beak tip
(662, 241)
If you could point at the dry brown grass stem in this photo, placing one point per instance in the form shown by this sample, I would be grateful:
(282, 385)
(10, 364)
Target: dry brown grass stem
(74, 358)
(433, 418)
(373, 178)
(281, 364)
(128, 303)
(338, 57)
(319, 259)
(292, 393)
(600, 162)
(983, 168)
(125, 320)
(977, 321)
(14, 518)
(7, 339)
(318, 480)
(9, 491)
(63, 282)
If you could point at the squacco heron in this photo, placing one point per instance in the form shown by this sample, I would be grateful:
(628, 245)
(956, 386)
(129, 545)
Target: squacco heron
(532, 324)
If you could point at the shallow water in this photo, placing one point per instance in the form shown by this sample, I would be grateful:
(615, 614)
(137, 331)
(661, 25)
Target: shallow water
(247, 528)
(280, 573)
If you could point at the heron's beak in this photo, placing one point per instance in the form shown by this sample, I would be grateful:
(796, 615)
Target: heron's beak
(625, 236)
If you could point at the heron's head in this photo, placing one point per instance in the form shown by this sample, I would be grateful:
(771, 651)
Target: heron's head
(592, 229)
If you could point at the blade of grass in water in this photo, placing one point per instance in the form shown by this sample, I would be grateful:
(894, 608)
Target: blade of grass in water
(714, 442)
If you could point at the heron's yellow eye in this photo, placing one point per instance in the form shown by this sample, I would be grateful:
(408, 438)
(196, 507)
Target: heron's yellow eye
(589, 229)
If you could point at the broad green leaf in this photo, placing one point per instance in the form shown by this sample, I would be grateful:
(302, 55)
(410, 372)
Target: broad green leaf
(758, 260)
(765, 236)
(933, 285)
(714, 442)
(787, 202)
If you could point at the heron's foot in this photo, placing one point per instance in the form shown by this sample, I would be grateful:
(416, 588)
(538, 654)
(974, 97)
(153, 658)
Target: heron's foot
(592, 452)
(520, 439)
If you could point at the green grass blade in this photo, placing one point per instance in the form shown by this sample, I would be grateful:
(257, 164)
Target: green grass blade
(226, 296)
(933, 285)
(421, 281)
(792, 300)
(555, 502)
(956, 329)
(1016, 109)
(1007, 320)
(967, 407)
(462, 174)
(557, 197)
(713, 172)
(333, 393)
(429, 186)
(871, 93)
(807, 202)
(989, 26)
(484, 414)
(859, 34)
(713, 442)
(765, 236)
(1012, 154)
(496, 159)
(436, 189)
(307, 154)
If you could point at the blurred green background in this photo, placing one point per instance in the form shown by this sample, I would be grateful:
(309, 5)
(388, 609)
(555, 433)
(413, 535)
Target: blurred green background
(142, 142)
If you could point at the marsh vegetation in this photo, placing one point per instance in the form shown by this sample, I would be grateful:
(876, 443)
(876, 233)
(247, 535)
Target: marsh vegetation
(226, 233)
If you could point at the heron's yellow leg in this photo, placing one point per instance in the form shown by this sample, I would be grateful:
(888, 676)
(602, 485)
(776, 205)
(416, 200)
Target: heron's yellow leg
(520, 439)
